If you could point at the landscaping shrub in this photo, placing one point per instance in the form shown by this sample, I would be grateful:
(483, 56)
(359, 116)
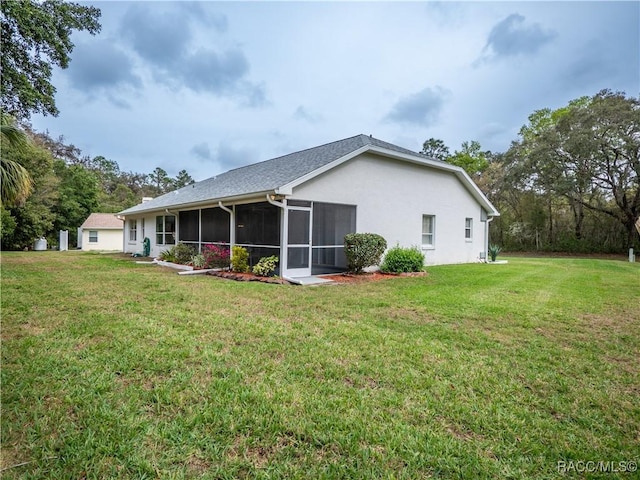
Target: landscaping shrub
(403, 260)
(183, 253)
(240, 259)
(363, 250)
(216, 256)
(168, 255)
(198, 261)
(494, 250)
(266, 266)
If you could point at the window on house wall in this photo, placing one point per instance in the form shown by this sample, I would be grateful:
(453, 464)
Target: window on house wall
(165, 230)
(93, 236)
(428, 231)
(133, 230)
(468, 228)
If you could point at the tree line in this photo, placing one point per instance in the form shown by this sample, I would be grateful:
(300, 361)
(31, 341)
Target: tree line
(65, 186)
(571, 180)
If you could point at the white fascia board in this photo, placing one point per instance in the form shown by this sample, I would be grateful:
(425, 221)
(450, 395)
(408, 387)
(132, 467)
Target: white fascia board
(259, 196)
(477, 193)
(436, 164)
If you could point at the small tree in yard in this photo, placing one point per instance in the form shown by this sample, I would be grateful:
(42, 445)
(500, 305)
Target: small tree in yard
(363, 250)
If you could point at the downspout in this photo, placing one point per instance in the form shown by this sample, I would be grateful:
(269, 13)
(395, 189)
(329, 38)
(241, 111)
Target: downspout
(273, 202)
(232, 227)
(226, 209)
(285, 228)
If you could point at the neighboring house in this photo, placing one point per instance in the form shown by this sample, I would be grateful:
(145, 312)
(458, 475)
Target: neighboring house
(101, 231)
(300, 206)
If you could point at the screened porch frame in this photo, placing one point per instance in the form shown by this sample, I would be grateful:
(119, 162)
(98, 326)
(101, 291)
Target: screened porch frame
(323, 236)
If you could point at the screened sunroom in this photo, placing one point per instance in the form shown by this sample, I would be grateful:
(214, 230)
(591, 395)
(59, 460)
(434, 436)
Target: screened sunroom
(314, 232)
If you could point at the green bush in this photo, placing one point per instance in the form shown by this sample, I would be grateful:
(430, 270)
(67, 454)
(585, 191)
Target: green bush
(168, 255)
(198, 261)
(363, 250)
(494, 250)
(266, 266)
(183, 253)
(239, 259)
(403, 260)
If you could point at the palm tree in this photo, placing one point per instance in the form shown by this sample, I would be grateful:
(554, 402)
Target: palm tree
(15, 182)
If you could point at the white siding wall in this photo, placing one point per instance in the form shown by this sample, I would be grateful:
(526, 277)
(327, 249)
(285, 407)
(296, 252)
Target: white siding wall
(107, 239)
(149, 230)
(391, 197)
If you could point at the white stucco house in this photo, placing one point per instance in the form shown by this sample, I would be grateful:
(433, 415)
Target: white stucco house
(101, 231)
(300, 206)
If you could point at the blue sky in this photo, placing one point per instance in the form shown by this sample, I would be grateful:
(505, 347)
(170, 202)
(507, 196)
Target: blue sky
(209, 86)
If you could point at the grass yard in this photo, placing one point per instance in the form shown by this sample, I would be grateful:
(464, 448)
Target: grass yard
(117, 370)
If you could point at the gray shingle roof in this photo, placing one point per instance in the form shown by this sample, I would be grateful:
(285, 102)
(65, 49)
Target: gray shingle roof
(264, 176)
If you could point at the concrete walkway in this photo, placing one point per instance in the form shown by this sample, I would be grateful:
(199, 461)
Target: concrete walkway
(311, 280)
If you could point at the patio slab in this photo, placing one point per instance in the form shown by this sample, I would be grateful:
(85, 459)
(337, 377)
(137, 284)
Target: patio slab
(311, 280)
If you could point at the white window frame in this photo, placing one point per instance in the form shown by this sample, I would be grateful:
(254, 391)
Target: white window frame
(164, 231)
(429, 236)
(93, 238)
(468, 229)
(133, 230)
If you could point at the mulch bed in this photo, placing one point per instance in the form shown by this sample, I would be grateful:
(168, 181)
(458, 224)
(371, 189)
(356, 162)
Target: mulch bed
(338, 278)
(247, 277)
(369, 276)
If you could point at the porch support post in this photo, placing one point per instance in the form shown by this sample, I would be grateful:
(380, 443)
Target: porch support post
(284, 231)
(199, 230)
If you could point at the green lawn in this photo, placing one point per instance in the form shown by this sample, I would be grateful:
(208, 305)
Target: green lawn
(116, 370)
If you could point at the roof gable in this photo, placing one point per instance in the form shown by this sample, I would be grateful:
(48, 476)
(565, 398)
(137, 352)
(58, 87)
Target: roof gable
(102, 220)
